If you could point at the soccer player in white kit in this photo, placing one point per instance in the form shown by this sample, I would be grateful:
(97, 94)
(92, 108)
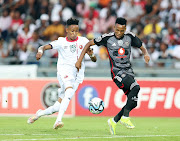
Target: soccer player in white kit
(69, 49)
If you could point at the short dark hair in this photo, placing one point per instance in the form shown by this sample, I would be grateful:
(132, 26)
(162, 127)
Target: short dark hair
(121, 21)
(72, 21)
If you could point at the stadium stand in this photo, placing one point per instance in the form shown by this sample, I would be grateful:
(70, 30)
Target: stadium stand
(27, 24)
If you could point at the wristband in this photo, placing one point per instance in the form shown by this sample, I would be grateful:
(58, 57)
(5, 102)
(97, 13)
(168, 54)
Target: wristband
(40, 49)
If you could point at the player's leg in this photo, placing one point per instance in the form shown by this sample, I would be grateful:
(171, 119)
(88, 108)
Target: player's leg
(133, 87)
(54, 108)
(113, 121)
(50, 110)
(70, 87)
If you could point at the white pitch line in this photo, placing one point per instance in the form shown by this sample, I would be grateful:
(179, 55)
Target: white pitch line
(11, 134)
(100, 137)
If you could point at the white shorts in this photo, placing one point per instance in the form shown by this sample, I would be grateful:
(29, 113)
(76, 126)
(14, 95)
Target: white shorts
(67, 75)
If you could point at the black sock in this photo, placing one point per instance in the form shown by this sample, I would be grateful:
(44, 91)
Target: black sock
(126, 113)
(119, 115)
(131, 100)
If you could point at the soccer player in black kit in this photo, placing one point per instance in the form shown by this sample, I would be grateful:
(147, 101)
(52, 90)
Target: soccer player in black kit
(118, 44)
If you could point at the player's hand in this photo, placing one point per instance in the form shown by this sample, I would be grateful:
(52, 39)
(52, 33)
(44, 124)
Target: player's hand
(39, 55)
(90, 52)
(146, 58)
(78, 65)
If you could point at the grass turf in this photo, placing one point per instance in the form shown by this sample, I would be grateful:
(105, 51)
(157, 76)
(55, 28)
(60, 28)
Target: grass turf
(88, 129)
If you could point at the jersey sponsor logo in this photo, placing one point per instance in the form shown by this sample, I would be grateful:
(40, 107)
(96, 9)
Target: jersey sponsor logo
(73, 48)
(66, 76)
(120, 42)
(85, 95)
(80, 47)
(49, 94)
(98, 39)
(121, 51)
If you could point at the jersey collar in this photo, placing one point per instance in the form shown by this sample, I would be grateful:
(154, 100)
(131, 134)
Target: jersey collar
(73, 40)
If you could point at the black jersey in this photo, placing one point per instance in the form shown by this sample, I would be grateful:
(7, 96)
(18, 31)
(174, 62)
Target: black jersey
(119, 51)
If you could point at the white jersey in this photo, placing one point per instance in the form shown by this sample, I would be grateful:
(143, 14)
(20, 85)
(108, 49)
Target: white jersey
(69, 52)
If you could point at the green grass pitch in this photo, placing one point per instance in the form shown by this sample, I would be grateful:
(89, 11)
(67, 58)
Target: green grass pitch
(89, 129)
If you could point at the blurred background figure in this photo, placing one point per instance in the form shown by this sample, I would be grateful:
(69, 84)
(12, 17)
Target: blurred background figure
(26, 24)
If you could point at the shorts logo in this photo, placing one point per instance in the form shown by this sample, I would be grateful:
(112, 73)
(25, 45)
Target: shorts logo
(98, 39)
(120, 42)
(72, 48)
(121, 51)
(80, 47)
(85, 95)
(49, 94)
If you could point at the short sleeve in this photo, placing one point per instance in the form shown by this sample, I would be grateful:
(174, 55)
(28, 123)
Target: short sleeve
(136, 42)
(56, 44)
(100, 41)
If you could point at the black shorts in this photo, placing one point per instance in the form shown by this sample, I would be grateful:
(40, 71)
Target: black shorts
(125, 82)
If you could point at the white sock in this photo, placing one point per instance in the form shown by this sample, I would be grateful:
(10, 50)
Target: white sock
(50, 110)
(64, 103)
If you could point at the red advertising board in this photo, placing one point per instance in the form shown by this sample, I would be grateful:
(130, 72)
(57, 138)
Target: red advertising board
(21, 97)
(156, 98)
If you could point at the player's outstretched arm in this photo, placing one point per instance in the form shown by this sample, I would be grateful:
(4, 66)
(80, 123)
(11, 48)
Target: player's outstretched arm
(145, 53)
(41, 50)
(91, 55)
(86, 48)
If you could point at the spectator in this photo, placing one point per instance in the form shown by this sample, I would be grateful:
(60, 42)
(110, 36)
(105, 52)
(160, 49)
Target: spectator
(134, 13)
(154, 55)
(65, 12)
(107, 18)
(164, 54)
(15, 24)
(82, 8)
(176, 55)
(5, 22)
(92, 11)
(25, 36)
(42, 24)
(103, 3)
(3, 51)
(32, 47)
(56, 27)
(152, 27)
(13, 50)
(23, 55)
(174, 18)
(121, 8)
(91, 23)
(151, 8)
(28, 22)
(103, 54)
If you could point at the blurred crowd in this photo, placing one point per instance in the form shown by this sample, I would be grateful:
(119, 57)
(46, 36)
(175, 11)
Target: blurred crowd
(27, 24)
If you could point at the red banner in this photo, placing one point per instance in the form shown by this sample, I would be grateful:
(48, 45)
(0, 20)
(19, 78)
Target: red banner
(156, 98)
(27, 96)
